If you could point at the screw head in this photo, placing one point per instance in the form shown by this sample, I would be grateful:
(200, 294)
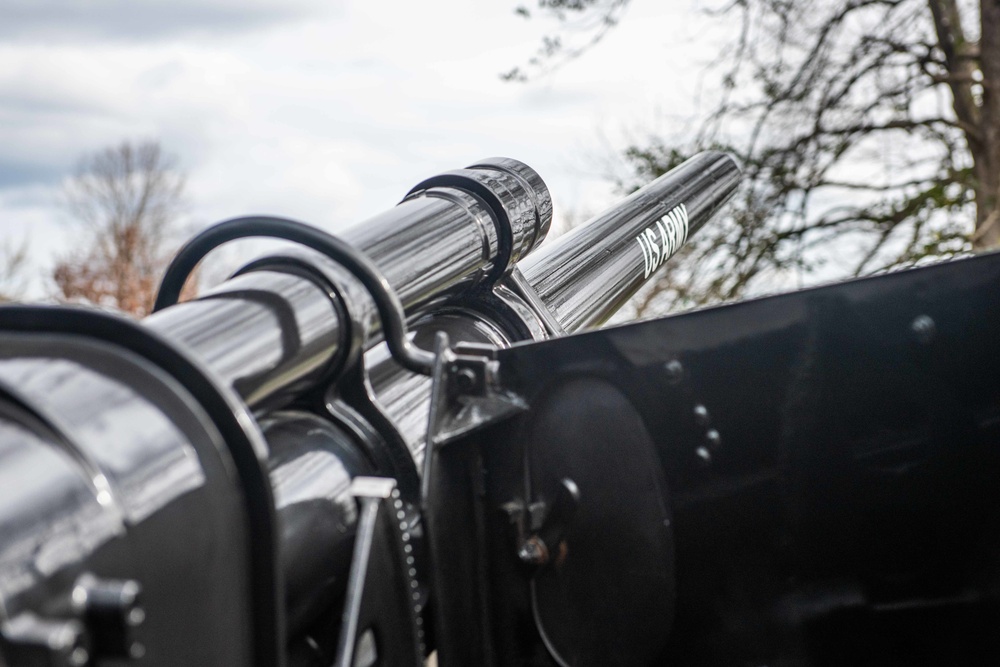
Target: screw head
(701, 415)
(704, 456)
(465, 379)
(674, 370)
(533, 552)
(924, 329)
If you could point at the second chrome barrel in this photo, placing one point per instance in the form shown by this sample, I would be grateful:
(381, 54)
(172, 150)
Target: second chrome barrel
(586, 275)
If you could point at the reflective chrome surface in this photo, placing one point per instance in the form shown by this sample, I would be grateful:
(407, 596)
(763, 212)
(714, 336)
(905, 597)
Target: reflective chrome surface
(429, 244)
(260, 332)
(100, 475)
(269, 334)
(311, 464)
(143, 483)
(585, 275)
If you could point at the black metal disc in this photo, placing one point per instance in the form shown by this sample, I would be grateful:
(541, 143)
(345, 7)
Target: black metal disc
(607, 596)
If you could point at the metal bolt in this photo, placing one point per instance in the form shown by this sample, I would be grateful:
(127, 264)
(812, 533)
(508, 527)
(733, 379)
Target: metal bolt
(704, 456)
(924, 329)
(675, 371)
(79, 657)
(701, 415)
(112, 611)
(713, 439)
(136, 617)
(465, 379)
(533, 552)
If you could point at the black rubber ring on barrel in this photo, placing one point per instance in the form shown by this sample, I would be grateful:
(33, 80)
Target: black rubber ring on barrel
(505, 234)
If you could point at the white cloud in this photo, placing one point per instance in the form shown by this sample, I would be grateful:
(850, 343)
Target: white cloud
(93, 20)
(324, 111)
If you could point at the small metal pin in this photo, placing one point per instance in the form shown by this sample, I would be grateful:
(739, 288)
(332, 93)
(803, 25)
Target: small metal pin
(674, 370)
(704, 456)
(701, 415)
(465, 379)
(533, 552)
(924, 328)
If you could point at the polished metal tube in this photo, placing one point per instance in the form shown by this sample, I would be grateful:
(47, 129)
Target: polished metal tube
(281, 330)
(311, 464)
(271, 332)
(438, 243)
(260, 332)
(583, 277)
(586, 275)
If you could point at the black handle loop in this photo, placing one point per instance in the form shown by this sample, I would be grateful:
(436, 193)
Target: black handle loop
(390, 310)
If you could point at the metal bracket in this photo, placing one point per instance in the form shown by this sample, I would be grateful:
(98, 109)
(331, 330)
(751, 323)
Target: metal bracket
(466, 393)
(540, 526)
(472, 370)
(370, 493)
(520, 286)
(112, 612)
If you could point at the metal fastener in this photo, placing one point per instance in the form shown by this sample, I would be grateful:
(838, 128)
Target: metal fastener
(924, 328)
(674, 370)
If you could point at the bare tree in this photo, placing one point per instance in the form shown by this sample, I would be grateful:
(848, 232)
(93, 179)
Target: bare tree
(870, 135)
(13, 268)
(129, 198)
(585, 23)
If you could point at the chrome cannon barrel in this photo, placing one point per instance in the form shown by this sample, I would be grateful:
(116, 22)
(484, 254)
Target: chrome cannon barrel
(270, 332)
(185, 490)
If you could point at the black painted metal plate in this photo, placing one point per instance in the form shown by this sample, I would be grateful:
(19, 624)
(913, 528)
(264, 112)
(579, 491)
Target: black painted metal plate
(833, 464)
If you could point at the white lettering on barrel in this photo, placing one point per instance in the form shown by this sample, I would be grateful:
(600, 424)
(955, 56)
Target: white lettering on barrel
(662, 239)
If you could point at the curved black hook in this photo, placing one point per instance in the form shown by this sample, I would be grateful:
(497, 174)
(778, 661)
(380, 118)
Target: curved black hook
(390, 310)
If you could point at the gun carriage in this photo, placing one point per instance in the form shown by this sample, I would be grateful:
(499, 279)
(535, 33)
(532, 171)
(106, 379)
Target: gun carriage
(416, 438)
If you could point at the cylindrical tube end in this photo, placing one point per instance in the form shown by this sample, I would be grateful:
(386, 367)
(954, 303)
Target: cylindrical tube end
(517, 196)
(587, 274)
(531, 230)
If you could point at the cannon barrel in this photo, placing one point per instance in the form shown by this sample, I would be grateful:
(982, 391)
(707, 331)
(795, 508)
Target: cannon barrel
(586, 275)
(417, 439)
(207, 457)
(266, 333)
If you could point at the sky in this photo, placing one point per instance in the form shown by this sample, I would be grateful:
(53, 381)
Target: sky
(325, 111)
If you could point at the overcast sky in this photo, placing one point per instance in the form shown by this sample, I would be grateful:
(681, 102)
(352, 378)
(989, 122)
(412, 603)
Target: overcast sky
(323, 111)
